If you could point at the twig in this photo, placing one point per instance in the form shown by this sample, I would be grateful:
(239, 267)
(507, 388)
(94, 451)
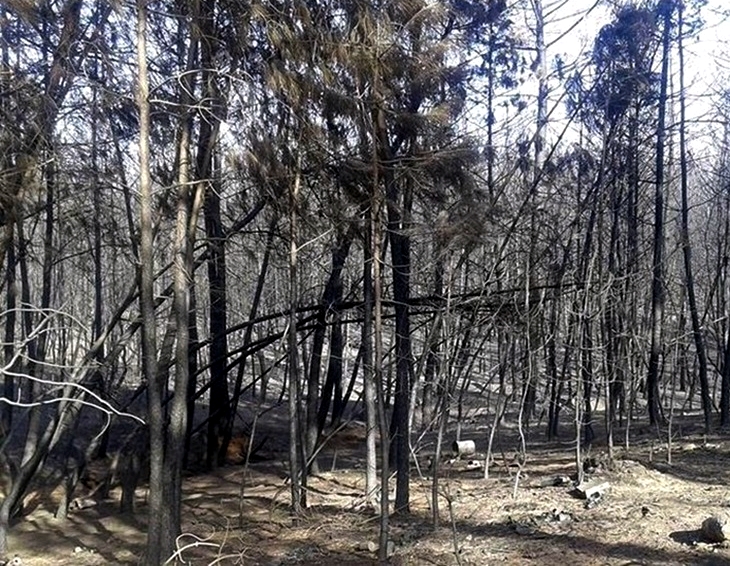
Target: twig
(102, 405)
(195, 544)
(249, 448)
(454, 534)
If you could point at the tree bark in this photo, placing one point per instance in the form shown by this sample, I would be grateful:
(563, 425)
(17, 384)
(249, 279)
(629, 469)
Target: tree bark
(400, 257)
(697, 334)
(297, 469)
(657, 289)
(10, 320)
(331, 296)
(160, 539)
(376, 255)
(219, 406)
(369, 361)
(183, 272)
(255, 302)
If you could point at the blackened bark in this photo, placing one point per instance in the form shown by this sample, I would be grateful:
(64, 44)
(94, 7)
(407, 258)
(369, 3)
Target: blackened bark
(657, 290)
(255, 302)
(725, 384)
(219, 398)
(338, 408)
(398, 204)
(10, 319)
(317, 409)
(219, 407)
(697, 334)
(551, 366)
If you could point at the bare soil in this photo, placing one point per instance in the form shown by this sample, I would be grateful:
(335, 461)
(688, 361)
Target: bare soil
(650, 513)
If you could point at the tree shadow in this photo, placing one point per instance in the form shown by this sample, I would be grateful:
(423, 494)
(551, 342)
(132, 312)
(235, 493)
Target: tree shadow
(698, 464)
(574, 548)
(688, 538)
(84, 534)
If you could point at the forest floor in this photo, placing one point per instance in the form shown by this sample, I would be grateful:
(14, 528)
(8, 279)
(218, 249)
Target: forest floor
(651, 511)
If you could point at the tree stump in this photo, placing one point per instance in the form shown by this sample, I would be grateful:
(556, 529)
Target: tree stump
(715, 529)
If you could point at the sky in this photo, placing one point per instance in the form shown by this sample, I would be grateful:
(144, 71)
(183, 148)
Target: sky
(707, 56)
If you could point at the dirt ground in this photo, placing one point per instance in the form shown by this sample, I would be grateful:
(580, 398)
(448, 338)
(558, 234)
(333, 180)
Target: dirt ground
(650, 513)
